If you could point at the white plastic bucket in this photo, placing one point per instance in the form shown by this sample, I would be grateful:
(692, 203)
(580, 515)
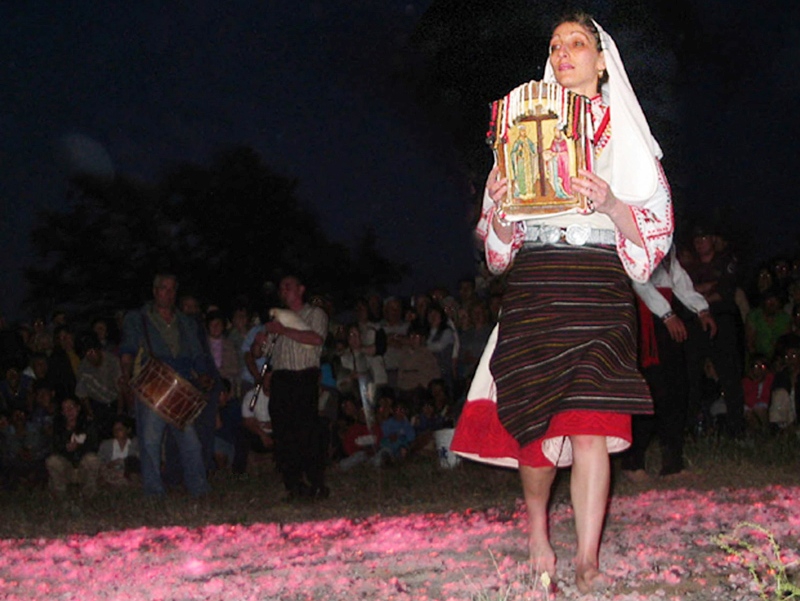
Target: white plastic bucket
(442, 439)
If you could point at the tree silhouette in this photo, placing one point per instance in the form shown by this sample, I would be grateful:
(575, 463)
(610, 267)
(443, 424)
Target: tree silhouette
(223, 229)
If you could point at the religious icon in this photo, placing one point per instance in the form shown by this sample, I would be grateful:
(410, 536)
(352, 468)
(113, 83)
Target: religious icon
(541, 136)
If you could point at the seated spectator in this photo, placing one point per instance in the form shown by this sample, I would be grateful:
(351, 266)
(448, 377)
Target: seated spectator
(41, 340)
(764, 281)
(420, 305)
(359, 442)
(781, 272)
(223, 351)
(397, 433)
(425, 423)
(473, 339)
(384, 405)
(255, 431)
(783, 403)
(417, 366)
(757, 385)
(442, 401)
(24, 453)
(239, 327)
(44, 414)
(793, 298)
(766, 323)
(100, 328)
(74, 458)
(98, 383)
(228, 422)
(787, 341)
(467, 295)
(119, 455)
(38, 368)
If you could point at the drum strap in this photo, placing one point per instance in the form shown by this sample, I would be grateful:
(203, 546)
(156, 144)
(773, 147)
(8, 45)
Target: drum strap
(147, 336)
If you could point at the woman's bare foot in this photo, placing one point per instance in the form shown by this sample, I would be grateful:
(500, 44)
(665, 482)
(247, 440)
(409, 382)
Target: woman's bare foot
(591, 580)
(543, 559)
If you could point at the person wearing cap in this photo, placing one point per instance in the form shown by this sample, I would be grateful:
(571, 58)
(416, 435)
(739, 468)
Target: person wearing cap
(558, 381)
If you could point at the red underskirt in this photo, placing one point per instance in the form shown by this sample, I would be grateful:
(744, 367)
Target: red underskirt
(479, 432)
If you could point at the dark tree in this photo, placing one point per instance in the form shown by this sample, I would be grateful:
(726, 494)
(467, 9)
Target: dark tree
(224, 229)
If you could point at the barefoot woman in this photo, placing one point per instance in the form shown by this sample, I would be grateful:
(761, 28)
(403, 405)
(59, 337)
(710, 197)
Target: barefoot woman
(558, 381)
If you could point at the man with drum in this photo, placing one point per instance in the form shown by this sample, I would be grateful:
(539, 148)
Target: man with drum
(294, 395)
(159, 330)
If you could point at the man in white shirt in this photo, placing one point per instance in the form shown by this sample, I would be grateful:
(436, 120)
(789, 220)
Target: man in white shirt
(661, 357)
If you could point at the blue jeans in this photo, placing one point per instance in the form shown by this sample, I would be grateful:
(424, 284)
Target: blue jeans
(150, 432)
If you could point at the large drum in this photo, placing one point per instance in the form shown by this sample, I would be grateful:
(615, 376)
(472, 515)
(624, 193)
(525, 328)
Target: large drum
(541, 134)
(168, 394)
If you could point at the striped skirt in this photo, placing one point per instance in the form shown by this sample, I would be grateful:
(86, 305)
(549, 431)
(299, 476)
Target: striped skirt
(565, 347)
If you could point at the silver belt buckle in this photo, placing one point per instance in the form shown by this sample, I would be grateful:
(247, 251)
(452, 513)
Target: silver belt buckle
(549, 234)
(578, 235)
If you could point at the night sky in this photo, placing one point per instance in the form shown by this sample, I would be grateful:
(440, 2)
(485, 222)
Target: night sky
(316, 88)
(309, 85)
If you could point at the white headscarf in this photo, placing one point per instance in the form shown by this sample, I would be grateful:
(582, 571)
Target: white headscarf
(634, 176)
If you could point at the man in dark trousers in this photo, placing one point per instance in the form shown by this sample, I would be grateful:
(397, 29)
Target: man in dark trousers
(294, 397)
(661, 358)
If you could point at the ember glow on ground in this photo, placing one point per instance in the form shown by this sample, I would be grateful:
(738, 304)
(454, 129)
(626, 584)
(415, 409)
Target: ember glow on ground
(657, 545)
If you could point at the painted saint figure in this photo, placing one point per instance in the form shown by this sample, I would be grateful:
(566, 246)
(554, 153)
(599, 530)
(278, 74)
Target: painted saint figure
(559, 165)
(524, 165)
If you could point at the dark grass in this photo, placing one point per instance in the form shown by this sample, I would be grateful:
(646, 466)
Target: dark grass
(417, 486)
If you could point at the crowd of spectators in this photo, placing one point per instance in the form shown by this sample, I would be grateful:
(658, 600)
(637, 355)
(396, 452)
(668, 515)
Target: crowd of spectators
(394, 371)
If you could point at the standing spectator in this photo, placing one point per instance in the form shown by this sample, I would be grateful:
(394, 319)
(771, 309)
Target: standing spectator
(396, 330)
(159, 330)
(294, 396)
(357, 361)
(441, 340)
(223, 351)
(373, 339)
(661, 358)
(713, 272)
(63, 363)
(74, 458)
(467, 296)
